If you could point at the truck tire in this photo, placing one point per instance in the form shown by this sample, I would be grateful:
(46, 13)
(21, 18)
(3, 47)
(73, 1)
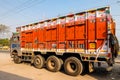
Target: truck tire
(73, 66)
(53, 64)
(39, 61)
(16, 59)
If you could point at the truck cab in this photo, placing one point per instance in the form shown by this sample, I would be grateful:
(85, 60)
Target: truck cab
(15, 44)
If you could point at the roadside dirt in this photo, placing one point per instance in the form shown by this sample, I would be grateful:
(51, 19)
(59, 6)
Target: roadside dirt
(11, 71)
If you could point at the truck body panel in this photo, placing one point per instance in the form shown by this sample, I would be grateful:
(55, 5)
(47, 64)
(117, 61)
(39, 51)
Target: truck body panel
(86, 31)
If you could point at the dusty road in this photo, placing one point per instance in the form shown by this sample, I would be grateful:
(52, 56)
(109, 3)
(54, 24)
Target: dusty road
(11, 71)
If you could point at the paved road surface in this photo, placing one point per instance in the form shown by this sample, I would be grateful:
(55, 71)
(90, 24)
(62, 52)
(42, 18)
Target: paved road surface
(11, 71)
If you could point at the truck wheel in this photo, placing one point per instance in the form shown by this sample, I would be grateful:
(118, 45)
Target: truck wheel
(16, 59)
(39, 61)
(73, 66)
(53, 64)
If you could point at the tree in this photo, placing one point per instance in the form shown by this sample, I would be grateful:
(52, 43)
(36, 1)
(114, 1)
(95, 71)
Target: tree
(4, 42)
(4, 30)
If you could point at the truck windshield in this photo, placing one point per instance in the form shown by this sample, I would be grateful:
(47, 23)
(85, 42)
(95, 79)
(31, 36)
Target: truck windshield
(15, 46)
(15, 38)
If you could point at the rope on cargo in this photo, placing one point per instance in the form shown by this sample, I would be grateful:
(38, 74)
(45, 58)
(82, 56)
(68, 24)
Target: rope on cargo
(99, 49)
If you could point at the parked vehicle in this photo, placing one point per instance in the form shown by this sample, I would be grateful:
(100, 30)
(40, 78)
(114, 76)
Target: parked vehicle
(75, 41)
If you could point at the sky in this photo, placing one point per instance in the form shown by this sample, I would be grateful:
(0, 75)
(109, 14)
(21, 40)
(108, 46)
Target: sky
(15, 13)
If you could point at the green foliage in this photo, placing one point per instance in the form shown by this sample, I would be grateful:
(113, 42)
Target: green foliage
(4, 42)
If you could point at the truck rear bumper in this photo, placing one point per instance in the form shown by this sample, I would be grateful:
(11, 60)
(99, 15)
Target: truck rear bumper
(94, 57)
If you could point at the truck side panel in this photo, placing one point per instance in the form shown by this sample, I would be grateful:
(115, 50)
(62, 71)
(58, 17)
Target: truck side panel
(84, 32)
(41, 38)
(101, 30)
(61, 33)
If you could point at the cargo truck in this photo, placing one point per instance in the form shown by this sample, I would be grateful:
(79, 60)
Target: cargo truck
(74, 42)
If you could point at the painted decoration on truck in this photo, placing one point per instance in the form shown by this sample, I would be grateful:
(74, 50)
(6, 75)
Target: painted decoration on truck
(45, 24)
(91, 15)
(101, 13)
(80, 17)
(37, 25)
(70, 19)
(30, 27)
(23, 28)
(109, 18)
(62, 20)
(58, 21)
(49, 23)
(54, 22)
(26, 28)
(104, 13)
(33, 26)
(41, 25)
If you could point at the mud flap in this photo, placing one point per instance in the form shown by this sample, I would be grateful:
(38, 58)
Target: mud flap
(109, 68)
(91, 67)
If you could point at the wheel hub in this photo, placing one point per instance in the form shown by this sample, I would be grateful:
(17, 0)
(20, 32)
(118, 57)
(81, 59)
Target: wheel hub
(73, 66)
(52, 64)
(37, 61)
